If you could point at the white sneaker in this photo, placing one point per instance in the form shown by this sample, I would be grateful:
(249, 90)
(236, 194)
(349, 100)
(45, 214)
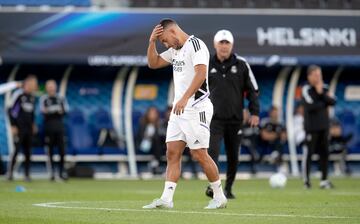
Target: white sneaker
(159, 203)
(216, 204)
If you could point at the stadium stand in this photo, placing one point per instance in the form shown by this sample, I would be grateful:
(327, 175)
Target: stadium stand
(55, 3)
(89, 89)
(348, 110)
(89, 98)
(255, 4)
(161, 79)
(85, 96)
(266, 79)
(276, 4)
(79, 134)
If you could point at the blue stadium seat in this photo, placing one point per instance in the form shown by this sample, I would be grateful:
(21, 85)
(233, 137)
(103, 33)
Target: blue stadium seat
(79, 134)
(87, 94)
(102, 119)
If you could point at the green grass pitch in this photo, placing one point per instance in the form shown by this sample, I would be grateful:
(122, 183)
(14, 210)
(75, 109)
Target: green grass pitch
(120, 201)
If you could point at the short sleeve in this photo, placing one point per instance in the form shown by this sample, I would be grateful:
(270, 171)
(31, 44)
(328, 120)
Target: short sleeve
(6, 87)
(200, 53)
(167, 55)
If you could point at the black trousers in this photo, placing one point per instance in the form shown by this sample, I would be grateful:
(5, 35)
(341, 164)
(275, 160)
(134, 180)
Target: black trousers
(55, 138)
(316, 142)
(22, 141)
(230, 133)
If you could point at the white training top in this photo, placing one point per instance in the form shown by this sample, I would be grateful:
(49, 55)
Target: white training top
(193, 52)
(6, 87)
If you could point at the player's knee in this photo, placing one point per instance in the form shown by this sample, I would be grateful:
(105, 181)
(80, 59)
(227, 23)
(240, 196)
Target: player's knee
(172, 155)
(198, 155)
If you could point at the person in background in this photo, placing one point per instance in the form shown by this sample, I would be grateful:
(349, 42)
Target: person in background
(299, 131)
(54, 107)
(273, 134)
(21, 114)
(148, 139)
(338, 145)
(249, 139)
(316, 100)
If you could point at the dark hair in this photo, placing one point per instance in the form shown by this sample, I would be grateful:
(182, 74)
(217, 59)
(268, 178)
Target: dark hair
(312, 68)
(145, 118)
(167, 22)
(30, 77)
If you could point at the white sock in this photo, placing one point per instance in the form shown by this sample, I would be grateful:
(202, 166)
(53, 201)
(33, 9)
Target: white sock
(169, 190)
(217, 189)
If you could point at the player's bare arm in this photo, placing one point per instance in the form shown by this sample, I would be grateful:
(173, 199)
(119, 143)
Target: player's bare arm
(200, 76)
(154, 59)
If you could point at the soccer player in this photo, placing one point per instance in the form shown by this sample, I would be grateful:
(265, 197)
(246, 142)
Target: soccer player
(21, 115)
(53, 107)
(192, 109)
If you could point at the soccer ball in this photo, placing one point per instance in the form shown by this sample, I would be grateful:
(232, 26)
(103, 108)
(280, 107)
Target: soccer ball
(277, 180)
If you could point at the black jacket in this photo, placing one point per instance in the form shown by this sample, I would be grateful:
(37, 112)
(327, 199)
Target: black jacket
(21, 110)
(316, 115)
(229, 81)
(56, 107)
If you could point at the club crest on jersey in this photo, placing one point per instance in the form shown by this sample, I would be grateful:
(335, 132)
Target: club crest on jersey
(233, 69)
(213, 70)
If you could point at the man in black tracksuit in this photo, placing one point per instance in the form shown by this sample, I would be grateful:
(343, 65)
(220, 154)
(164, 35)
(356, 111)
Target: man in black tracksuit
(21, 114)
(53, 108)
(230, 79)
(316, 100)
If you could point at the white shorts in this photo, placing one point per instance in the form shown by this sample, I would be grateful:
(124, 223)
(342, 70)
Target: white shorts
(192, 127)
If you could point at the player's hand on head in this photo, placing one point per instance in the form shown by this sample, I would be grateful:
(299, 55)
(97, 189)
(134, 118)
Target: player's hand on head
(157, 31)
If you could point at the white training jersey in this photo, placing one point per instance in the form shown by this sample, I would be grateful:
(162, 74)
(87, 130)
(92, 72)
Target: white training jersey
(6, 87)
(193, 52)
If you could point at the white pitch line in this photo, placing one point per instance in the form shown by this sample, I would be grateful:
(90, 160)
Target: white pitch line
(61, 205)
